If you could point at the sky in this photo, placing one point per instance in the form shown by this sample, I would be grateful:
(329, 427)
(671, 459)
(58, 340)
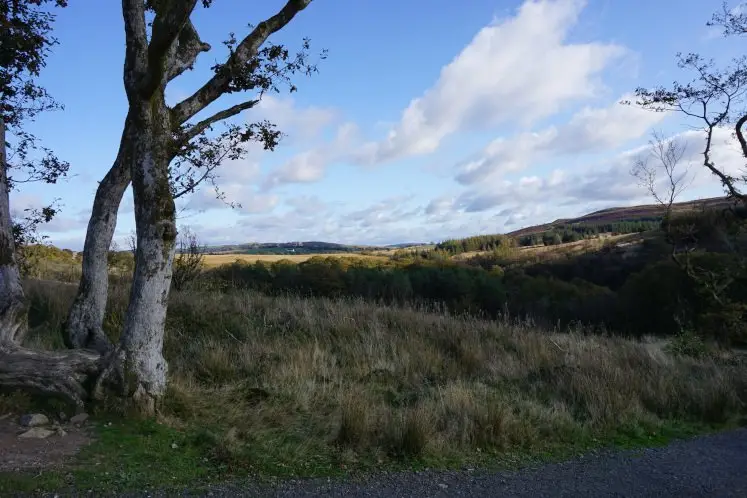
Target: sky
(429, 119)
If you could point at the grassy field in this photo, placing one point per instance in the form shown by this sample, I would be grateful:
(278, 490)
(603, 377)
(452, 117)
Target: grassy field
(287, 386)
(213, 260)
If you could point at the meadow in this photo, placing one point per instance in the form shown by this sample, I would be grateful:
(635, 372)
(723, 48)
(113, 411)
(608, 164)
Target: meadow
(345, 364)
(290, 386)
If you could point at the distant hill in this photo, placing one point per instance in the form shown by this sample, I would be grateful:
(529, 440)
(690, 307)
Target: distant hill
(620, 214)
(309, 247)
(648, 212)
(405, 245)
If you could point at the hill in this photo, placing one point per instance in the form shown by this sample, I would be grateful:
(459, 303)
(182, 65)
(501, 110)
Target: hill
(310, 247)
(647, 212)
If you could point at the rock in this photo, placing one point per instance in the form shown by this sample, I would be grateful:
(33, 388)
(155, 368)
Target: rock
(60, 431)
(62, 416)
(36, 433)
(33, 420)
(79, 418)
(443, 486)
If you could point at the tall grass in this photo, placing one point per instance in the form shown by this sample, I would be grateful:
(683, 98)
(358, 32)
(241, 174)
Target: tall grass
(310, 384)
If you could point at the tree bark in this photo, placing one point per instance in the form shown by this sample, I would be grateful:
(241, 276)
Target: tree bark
(13, 307)
(63, 374)
(86, 316)
(144, 367)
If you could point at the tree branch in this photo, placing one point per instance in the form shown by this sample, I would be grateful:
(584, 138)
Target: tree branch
(170, 20)
(136, 40)
(247, 49)
(198, 128)
(184, 52)
(740, 135)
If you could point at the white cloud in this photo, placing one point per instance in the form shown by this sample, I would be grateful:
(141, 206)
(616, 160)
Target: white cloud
(310, 166)
(534, 199)
(589, 130)
(516, 70)
(299, 124)
(251, 201)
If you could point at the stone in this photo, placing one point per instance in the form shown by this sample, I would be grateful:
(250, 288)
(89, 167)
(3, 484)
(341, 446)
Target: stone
(62, 416)
(36, 433)
(33, 420)
(79, 418)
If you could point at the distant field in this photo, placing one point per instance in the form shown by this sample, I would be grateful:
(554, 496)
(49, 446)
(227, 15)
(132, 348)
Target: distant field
(213, 260)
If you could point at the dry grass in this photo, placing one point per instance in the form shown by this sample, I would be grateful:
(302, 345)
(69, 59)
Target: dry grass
(213, 260)
(312, 384)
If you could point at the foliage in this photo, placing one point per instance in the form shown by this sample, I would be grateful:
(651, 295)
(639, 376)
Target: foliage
(477, 243)
(25, 41)
(562, 233)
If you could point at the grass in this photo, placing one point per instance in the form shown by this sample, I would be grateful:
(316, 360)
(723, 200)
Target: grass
(280, 387)
(213, 260)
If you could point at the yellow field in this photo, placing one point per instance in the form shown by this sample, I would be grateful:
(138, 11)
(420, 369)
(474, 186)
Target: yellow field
(213, 260)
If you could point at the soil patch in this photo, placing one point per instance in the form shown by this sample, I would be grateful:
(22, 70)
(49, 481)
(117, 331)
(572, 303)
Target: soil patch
(25, 454)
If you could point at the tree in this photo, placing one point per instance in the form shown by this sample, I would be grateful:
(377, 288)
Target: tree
(667, 156)
(25, 41)
(160, 143)
(166, 152)
(192, 149)
(715, 99)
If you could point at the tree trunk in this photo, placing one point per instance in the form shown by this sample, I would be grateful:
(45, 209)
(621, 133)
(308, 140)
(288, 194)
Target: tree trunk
(68, 375)
(13, 307)
(144, 367)
(84, 323)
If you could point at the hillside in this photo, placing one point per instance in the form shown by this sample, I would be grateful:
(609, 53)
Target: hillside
(310, 247)
(619, 214)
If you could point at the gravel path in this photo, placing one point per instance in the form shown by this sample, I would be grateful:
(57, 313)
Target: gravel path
(714, 466)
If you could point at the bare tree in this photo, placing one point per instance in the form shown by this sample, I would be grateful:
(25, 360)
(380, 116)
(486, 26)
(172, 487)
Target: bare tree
(189, 259)
(664, 156)
(132, 243)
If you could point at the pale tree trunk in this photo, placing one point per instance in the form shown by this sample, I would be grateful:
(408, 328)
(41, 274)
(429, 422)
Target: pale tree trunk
(13, 308)
(86, 316)
(144, 367)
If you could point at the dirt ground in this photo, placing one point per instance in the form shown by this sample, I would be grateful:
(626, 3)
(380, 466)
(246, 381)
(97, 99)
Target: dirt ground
(18, 454)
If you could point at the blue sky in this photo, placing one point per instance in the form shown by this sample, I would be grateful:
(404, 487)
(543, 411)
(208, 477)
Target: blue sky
(429, 119)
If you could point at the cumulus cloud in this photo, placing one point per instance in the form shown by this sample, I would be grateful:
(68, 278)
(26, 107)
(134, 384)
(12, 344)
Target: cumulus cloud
(533, 199)
(298, 123)
(310, 166)
(251, 201)
(515, 70)
(589, 130)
